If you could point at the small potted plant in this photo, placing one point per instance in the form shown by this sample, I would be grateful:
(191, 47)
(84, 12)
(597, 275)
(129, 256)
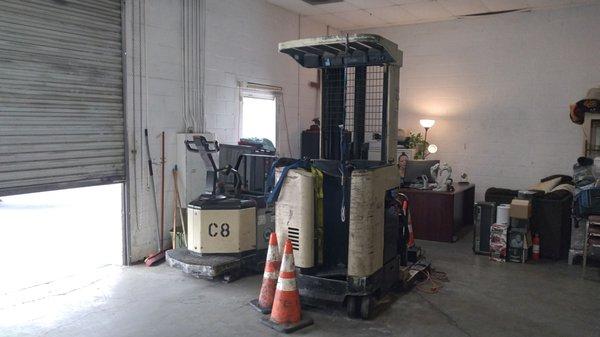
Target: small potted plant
(417, 142)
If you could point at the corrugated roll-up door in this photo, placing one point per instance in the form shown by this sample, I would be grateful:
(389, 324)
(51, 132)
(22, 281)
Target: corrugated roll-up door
(61, 94)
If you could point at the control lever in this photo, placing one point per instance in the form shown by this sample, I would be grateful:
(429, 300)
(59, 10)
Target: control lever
(200, 142)
(206, 149)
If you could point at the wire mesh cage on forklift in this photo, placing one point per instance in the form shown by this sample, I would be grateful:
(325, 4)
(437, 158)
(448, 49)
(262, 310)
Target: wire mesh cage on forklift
(371, 100)
(355, 98)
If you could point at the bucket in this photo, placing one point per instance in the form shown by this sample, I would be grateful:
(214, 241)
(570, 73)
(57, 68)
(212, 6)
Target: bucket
(179, 241)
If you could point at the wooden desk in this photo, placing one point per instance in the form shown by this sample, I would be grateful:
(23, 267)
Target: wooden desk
(441, 216)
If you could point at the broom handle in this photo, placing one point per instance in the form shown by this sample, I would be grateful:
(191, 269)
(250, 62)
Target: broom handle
(176, 178)
(162, 189)
(174, 236)
(152, 188)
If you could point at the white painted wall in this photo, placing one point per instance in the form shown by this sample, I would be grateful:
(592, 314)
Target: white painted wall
(241, 45)
(154, 65)
(499, 88)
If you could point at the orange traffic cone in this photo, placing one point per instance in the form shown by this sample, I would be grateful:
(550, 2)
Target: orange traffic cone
(267, 290)
(286, 315)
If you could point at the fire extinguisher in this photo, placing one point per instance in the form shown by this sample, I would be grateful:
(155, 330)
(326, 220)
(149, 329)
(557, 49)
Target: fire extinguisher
(536, 247)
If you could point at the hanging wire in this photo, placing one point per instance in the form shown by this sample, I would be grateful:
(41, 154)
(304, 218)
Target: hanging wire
(342, 127)
(193, 18)
(433, 282)
(287, 131)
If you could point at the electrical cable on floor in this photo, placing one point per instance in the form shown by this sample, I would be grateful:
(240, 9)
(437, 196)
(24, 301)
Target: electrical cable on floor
(433, 282)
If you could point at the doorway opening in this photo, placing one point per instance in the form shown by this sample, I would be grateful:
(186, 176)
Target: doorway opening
(49, 236)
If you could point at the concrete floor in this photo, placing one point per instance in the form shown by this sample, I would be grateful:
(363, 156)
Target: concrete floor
(51, 225)
(483, 298)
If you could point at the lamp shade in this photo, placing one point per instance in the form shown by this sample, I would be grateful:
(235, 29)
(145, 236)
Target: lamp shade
(427, 123)
(432, 148)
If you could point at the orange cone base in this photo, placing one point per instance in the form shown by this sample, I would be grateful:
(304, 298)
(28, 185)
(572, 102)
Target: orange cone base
(264, 311)
(287, 328)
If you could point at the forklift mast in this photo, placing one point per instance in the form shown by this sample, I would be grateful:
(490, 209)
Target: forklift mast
(360, 75)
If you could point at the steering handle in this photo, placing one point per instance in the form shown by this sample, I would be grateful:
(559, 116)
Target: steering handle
(189, 147)
(201, 143)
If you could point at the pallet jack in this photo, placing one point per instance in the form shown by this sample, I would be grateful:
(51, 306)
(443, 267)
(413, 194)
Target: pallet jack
(359, 252)
(224, 239)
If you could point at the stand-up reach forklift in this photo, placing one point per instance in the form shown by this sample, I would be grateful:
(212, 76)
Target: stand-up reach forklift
(355, 249)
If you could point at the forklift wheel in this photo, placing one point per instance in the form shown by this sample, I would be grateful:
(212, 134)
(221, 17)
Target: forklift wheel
(366, 307)
(352, 306)
(231, 276)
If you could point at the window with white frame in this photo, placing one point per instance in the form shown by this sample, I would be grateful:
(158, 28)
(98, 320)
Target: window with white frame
(259, 115)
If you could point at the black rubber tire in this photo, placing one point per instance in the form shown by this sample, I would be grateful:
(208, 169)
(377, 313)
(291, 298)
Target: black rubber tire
(353, 306)
(366, 307)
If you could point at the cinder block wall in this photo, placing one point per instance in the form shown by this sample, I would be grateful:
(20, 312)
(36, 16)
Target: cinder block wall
(499, 88)
(154, 63)
(241, 45)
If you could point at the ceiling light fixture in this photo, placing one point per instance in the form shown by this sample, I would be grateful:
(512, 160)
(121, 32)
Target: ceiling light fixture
(321, 2)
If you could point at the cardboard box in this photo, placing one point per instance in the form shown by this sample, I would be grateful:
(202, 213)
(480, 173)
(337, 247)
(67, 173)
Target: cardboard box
(498, 252)
(498, 234)
(498, 239)
(520, 209)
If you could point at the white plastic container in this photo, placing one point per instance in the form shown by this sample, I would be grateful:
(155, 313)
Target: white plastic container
(503, 214)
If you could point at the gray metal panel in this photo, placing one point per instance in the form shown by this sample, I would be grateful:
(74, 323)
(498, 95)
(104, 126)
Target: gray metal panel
(61, 94)
(342, 51)
(393, 98)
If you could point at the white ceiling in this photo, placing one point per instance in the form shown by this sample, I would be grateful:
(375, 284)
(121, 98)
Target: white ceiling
(353, 14)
